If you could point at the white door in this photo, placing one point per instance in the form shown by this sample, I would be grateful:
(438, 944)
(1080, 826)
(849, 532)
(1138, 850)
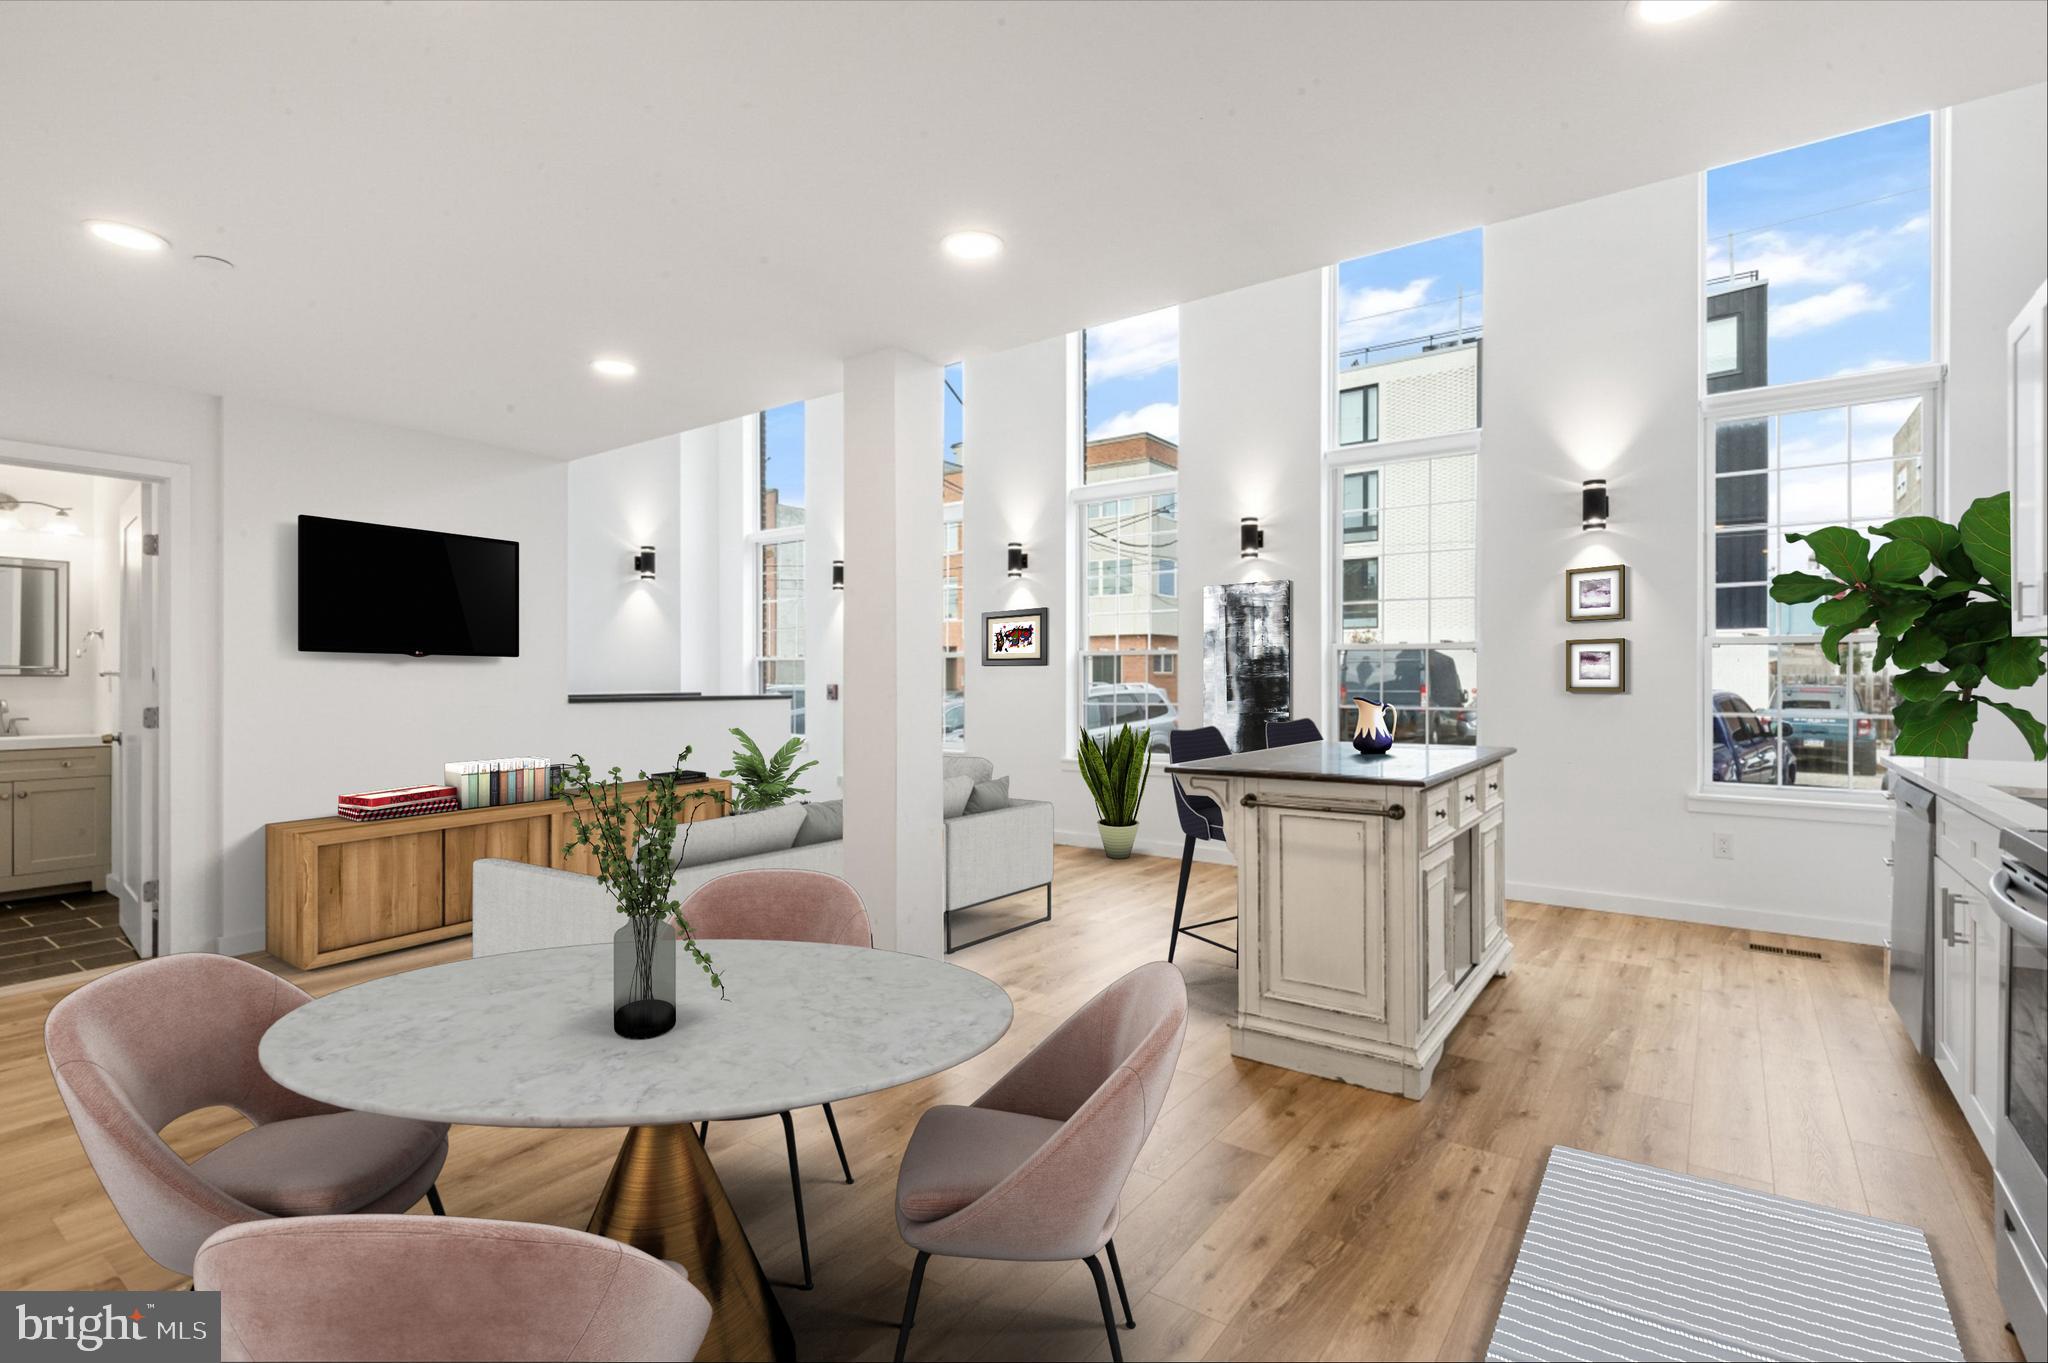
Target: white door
(135, 757)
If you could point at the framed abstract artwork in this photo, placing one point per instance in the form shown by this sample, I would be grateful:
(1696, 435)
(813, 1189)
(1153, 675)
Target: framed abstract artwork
(1596, 665)
(1247, 658)
(1013, 638)
(1596, 593)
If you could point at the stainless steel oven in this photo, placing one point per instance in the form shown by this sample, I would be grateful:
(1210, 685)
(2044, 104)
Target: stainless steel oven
(2019, 892)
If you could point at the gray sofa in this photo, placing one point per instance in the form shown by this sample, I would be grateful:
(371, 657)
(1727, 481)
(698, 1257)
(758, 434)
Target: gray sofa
(991, 852)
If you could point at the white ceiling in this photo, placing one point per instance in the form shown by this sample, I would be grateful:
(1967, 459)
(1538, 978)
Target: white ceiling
(440, 213)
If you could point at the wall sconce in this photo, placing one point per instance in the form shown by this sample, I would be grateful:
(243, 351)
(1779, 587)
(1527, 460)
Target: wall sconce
(1019, 560)
(1250, 539)
(838, 574)
(1593, 504)
(643, 563)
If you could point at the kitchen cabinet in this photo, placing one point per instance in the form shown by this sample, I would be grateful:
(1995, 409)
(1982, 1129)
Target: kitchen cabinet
(1967, 970)
(2026, 419)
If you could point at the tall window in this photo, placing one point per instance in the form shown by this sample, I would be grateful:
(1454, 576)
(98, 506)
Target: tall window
(1129, 570)
(1407, 581)
(777, 537)
(1819, 274)
(1408, 341)
(953, 618)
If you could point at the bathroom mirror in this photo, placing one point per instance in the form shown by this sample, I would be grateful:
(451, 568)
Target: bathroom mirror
(35, 617)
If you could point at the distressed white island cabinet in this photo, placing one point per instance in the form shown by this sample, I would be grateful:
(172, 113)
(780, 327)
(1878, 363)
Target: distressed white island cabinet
(1371, 899)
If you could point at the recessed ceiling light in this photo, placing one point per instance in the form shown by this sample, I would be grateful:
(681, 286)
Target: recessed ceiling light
(972, 245)
(613, 368)
(1670, 11)
(121, 234)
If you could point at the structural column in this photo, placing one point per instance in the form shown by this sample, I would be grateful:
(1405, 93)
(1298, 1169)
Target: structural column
(895, 830)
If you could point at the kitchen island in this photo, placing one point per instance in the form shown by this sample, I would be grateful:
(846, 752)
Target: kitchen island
(1371, 897)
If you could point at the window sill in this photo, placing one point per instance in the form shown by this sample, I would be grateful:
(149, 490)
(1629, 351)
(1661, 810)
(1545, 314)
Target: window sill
(1874, 812)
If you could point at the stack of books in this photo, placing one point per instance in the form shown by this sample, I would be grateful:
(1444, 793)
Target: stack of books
(395, 804)
(505, 781)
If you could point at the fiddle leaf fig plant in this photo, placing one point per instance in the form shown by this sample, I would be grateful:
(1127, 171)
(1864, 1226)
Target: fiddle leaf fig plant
(1950, 634)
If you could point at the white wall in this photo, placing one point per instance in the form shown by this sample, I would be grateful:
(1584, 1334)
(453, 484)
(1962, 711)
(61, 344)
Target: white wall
(308, 727)
(66, 704)
(1998, 238)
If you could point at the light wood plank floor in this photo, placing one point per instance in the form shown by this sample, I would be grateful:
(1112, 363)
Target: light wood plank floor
(1271, 1215)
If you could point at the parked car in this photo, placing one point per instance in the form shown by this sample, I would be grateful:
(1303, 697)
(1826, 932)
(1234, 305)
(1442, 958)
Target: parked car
(1396, 678)
(1745, 745)
(1109, 706)
(1817, 725)
(953, 724)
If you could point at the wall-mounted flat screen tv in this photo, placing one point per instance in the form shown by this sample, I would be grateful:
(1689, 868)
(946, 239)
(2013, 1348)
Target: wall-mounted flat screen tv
(387, 589)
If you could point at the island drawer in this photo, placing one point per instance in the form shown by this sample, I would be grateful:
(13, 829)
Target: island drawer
(1439, 818)
(1965, 842)
(1492, 787)
(1466, 809)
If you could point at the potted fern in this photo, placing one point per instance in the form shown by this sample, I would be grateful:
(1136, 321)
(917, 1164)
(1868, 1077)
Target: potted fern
(1115, 774)
(762, 782)
(1951, 631)
(634, 841)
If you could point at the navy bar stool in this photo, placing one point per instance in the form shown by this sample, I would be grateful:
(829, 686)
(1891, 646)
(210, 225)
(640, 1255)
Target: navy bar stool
(1285, 733)
(1201, 818)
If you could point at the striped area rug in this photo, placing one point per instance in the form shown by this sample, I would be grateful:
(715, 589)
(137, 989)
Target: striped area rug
(1623, 1261)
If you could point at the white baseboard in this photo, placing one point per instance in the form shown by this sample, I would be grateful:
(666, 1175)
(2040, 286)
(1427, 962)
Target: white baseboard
(1147, 847)
(1715, 915)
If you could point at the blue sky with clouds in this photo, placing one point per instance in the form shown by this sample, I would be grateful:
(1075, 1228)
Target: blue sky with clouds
(1408, 293)
(1134, 376)
(1839, 229)
(782, 452)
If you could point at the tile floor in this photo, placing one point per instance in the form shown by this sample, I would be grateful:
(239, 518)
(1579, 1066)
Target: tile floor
(59, 934)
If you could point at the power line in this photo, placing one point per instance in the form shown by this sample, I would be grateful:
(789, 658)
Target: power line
(1821, 213)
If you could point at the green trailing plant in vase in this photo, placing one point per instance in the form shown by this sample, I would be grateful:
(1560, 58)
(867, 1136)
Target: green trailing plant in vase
(634, 840)
(1950, 632)
(760, 782)
(1115, 774)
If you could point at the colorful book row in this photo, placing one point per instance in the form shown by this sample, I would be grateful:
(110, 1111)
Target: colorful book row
(505, 781)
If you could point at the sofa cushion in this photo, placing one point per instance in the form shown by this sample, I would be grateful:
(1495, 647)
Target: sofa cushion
(319, 1166)
(824, 821)
(989, 795)
(959, 1153)
(961, 764)
(958, 790)
(743, 835)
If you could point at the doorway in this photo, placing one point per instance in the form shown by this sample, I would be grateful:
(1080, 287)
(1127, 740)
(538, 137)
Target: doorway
(80, 625)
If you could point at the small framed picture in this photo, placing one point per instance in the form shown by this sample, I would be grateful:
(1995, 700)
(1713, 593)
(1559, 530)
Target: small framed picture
(1013, 638)
(1596, 665)
(1596, 593)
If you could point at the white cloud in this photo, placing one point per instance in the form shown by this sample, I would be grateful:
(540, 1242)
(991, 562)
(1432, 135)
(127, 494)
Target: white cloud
(1160, 418)
(1869, 366)
(1819, 310)
(1135, 346)
(1369, 316)
(1916, 223)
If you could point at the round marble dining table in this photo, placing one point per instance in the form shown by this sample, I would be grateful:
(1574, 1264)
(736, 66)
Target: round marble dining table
(525, 1039)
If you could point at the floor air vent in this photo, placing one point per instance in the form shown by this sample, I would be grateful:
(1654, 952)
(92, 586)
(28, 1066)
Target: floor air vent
(1800, 952)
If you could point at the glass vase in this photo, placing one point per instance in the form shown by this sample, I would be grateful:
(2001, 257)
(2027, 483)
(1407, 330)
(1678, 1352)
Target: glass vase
(644, 978)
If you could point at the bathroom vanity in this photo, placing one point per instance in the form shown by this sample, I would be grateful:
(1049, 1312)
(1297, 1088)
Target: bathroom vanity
(1371, 900)
(55, 804)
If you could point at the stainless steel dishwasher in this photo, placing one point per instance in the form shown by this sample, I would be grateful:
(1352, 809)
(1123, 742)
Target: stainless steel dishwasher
(1912, 940)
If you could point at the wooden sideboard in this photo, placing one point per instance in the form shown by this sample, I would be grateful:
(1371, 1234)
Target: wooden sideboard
(339, 890)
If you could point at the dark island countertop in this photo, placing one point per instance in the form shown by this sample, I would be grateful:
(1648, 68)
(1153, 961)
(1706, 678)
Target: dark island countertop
(1409, 764)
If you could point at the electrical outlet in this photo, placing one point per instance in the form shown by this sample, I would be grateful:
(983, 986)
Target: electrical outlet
(1724, 846)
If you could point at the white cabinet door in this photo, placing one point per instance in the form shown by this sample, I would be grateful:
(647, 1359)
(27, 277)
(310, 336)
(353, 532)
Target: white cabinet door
(1954, 1015)
(2026, 416)
(1985, 1097)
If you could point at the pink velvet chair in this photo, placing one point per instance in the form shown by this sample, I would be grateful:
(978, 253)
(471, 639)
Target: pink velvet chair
(409, 1287)
(1035, 1168)
(784, 906)
(140, 1047)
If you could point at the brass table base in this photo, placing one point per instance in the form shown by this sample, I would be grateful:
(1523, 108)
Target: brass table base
(664, 1197)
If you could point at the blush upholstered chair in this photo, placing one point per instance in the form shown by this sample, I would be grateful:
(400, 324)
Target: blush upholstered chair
(134, 1050)
(1285, 733)
(1035, 1168)
(784, 906)
(443, 1288)
(1201, 818)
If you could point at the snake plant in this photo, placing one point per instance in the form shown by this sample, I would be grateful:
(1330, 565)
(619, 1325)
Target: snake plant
(1116, 773)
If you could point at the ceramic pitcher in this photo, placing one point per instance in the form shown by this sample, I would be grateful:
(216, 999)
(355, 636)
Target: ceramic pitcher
(1375, 727)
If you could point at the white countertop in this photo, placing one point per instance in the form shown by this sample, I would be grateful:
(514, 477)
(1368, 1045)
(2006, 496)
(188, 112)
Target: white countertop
(1982, 786)
(13, 742)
